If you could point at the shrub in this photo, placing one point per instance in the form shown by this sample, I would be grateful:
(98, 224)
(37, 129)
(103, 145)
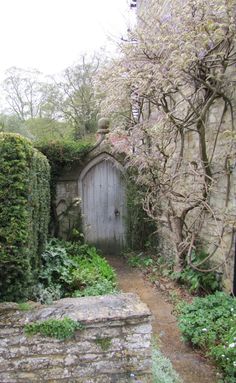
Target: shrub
(24, 214)
(210, 323)
(72, 269)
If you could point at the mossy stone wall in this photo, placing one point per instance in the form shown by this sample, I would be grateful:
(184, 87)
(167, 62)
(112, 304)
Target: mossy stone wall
(114, 345)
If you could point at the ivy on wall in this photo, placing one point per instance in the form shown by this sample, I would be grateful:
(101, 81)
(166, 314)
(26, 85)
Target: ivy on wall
(61, 155)
(139, 226)
(24, 214)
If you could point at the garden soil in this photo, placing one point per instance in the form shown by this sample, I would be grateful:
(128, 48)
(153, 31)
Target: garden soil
(190, 365)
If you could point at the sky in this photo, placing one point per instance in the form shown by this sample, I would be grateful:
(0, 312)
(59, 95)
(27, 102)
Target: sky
(50, 35)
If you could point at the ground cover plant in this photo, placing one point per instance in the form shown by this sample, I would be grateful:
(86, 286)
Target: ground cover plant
(162, 370)
(210, 324)
(73, 269)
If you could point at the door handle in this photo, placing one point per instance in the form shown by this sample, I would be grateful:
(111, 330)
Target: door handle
(116, 212)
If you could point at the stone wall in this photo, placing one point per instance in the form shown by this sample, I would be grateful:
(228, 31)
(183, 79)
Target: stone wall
(114, 345)
(217, 234)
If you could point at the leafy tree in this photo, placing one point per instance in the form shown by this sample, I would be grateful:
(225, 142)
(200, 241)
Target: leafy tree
(46, 129)
(36, 129)
(76, 101)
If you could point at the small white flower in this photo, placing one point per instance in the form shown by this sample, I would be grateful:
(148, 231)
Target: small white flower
(132, 375)
(232, 345)
(232, 309)
(223, 356)
(234, 363)
(204, 329)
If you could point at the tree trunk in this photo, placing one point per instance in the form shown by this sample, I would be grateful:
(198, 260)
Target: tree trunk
(177, 229)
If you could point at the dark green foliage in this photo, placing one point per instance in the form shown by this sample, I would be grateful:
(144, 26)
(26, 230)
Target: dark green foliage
(139, 260)
(39, 204)
(198, 281)
(54, 328)
(210, 323)
(63, 153)
(72, 269)
(24, 201)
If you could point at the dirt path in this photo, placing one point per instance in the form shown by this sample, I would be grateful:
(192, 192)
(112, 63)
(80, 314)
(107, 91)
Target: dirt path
(192, 367)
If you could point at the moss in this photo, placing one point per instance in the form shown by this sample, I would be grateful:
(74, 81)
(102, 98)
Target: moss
(24, 306)
(104, 343)
(55, 328)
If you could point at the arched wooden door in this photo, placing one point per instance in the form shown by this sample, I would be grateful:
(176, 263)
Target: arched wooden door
(104, 204)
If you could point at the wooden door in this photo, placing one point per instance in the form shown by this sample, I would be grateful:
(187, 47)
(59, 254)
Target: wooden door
(104, 205)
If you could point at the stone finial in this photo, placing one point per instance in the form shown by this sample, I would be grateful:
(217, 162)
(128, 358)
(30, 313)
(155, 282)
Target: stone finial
(103, 125)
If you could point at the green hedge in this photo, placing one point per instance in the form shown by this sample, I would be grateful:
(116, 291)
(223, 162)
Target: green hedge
(24, 214)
